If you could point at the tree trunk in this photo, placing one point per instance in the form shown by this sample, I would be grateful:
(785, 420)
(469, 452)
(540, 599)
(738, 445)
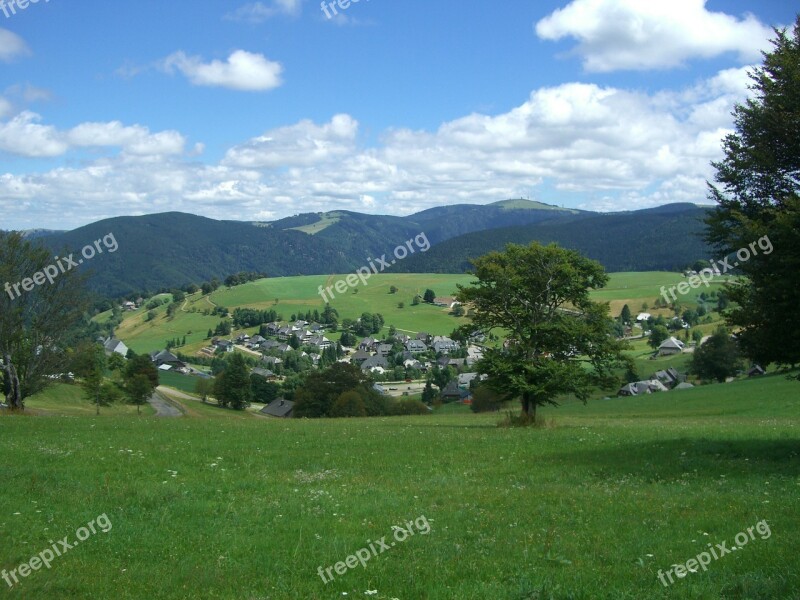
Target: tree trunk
(14, 394)
(528, 407)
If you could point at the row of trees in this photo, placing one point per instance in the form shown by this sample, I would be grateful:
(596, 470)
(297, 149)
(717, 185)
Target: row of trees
(134, 379)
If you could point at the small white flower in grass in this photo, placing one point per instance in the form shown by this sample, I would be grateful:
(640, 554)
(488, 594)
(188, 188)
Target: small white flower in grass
(370, 592)
(650, 555)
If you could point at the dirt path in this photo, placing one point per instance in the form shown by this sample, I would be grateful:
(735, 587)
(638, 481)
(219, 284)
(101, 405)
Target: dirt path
(163, 407)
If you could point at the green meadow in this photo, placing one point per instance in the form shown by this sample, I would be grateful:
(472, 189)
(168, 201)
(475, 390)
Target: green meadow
(590, 506)
(292, 295)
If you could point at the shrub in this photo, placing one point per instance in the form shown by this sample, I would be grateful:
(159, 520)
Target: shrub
(348, 404)
(408, 407)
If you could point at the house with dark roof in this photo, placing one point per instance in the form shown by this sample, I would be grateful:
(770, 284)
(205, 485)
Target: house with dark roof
(224, 345)
(454, 393)
(167, 358)
(669, 377)
(268, 345)
(375, 362)
(443, 344)
(416, 347)
(670, 346)
(368, 344)
(319, 341)
(279, 408)
(113, 345)
(359, 357)
(265, 373)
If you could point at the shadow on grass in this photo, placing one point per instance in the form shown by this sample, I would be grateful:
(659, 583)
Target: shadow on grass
(672, 459)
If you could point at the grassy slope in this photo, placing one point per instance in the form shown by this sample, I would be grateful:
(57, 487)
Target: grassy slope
(590, 508)
(70, 400)
(300, 294)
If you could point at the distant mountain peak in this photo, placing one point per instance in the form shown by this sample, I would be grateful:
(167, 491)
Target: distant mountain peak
(525, 204)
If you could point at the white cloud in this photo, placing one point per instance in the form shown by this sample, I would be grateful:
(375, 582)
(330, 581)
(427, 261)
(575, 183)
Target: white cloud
(243, 71)
(632, 34)
(135, 140)
(24, 135)
(303, 144)
(11, 46)
(603, 147)
(258, 12)
(5, 108)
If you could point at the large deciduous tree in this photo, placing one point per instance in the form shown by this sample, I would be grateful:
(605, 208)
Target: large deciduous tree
(558, 340)
(718, 358)
(757, 187)
(317, 396)
(34, 324)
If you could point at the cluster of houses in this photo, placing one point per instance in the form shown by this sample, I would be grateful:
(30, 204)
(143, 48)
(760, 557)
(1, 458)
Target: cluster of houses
(309, 334)
(372, 354)
(661, 381)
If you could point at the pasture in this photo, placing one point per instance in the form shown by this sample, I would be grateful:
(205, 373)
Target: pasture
(293, 295)
(591, 506)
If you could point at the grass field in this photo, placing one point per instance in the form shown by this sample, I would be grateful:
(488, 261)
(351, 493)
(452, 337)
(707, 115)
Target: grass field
(590, 507)
(291, 295)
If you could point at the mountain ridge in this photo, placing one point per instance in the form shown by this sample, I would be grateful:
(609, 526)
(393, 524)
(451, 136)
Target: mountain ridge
(172, 249)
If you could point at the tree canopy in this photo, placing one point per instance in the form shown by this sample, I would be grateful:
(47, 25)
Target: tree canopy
(559, 341)
(757, 187)
(36, 323)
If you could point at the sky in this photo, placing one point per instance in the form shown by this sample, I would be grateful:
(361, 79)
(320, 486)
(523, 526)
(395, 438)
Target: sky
(255, 111)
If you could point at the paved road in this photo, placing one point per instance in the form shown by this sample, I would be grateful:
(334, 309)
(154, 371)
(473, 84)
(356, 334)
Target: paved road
(163, 408)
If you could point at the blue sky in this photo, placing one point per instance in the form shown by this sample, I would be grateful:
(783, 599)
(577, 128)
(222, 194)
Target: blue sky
(260, 110)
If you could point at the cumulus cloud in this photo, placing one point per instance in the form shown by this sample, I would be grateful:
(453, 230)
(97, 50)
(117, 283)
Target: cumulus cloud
(258, 12)
(243, 71)
(634, 35)
(303, 144)
(601, 147)
(25, 135)
(11, 46)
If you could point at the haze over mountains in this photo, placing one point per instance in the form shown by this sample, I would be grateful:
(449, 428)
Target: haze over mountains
(172, 249)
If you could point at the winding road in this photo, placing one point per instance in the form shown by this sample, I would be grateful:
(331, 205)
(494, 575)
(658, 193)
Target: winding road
(163, 407)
